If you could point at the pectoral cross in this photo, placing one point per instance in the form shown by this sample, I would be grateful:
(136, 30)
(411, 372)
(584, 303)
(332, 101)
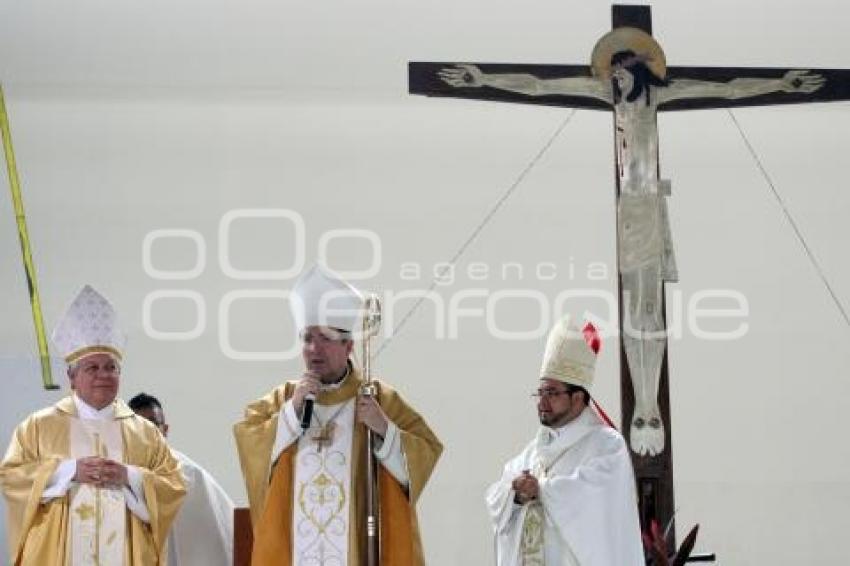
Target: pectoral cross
(629, 75)
(324, 436)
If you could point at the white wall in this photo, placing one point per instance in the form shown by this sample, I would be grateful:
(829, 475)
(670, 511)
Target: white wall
(128, 127)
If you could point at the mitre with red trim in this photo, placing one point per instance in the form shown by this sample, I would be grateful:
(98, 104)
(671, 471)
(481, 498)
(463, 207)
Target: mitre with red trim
(571, 353)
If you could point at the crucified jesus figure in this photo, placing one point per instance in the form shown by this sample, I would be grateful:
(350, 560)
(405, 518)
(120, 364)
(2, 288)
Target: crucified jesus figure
(629, 71)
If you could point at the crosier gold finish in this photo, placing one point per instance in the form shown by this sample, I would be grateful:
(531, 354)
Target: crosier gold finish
(371, 325)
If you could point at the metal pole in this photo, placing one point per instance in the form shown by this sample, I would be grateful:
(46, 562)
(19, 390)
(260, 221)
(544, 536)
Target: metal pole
(23, 235)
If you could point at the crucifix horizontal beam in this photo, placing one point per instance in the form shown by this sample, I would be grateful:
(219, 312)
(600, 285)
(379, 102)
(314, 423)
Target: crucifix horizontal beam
(424, 79)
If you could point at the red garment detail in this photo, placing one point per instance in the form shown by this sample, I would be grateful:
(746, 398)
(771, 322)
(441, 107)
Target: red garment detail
(602, 414)
(591, 336)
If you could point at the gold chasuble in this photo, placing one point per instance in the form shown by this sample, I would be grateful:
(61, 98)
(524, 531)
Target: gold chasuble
(272, 493)
(39, 531)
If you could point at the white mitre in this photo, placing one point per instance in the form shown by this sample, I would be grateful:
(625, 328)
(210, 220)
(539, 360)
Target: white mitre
(89, 326)
(571, 354)
(322, 298)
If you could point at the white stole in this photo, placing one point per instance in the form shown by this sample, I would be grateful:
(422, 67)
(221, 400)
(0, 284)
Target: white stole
(323, 489)
(550, 446)
(98, 515)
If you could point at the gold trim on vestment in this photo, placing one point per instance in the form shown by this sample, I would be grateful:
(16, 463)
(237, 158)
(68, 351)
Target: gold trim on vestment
(347, 389)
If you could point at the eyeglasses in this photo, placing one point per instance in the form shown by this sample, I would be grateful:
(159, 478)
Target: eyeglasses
(549, 393)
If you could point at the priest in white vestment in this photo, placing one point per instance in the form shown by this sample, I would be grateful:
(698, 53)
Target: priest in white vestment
(203, 530)
(305, 476)
(86, 481)
(569, 497)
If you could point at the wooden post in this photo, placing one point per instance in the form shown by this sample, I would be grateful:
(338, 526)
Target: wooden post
(653, 474)
(243, 537)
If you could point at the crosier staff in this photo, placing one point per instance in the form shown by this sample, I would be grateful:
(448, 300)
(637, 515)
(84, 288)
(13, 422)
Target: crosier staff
(371, 324)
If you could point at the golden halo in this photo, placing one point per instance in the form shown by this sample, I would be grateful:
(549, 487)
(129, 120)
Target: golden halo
(623, 39)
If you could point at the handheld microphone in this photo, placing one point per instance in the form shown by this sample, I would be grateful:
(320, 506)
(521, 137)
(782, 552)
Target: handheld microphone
(307, 414)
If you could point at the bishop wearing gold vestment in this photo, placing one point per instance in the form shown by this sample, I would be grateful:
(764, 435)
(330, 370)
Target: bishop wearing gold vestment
(306, 485)
(86, 481)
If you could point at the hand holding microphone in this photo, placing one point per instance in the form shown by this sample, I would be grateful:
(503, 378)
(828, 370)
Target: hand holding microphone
(307, 413)
(305, 396)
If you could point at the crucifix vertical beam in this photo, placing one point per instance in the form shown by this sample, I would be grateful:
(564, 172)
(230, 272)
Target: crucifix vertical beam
(653, 474)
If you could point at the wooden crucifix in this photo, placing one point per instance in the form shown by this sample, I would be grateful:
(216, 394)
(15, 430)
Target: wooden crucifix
(629, 75)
